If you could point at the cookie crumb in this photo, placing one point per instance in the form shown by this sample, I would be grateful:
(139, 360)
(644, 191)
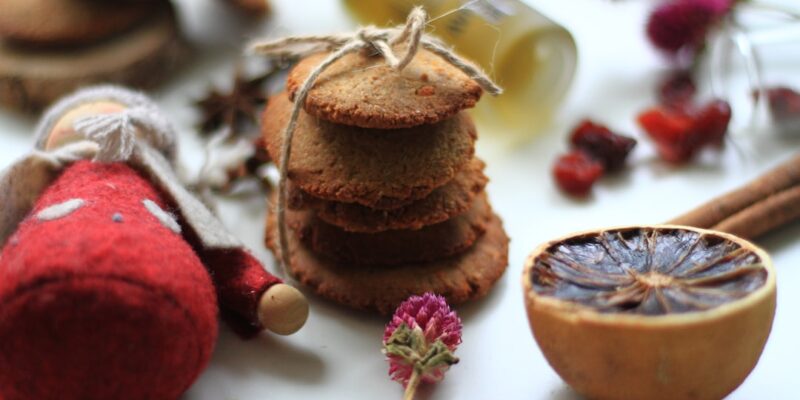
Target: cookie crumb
(426, 90)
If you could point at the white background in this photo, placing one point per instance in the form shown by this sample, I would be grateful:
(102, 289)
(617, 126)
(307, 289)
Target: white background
(337, 354)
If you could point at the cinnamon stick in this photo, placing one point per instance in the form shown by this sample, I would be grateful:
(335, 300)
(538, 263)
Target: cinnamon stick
(746, 202)
(763, 216)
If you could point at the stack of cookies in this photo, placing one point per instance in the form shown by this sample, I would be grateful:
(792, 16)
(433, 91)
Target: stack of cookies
(52, 47)
(386, 198)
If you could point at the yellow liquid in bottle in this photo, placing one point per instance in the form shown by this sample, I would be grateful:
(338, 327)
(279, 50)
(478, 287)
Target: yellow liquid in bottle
(531, 57)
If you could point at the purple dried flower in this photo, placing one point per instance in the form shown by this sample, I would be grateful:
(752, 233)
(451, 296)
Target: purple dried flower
(681, 24)
(420, 339)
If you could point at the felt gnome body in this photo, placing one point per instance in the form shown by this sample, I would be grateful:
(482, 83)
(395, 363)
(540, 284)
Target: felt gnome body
(111, 273)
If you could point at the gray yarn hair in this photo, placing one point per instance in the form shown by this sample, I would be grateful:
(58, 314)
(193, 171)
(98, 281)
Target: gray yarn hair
(114, 133)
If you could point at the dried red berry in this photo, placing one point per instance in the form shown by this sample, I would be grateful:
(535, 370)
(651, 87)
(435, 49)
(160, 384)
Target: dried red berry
(711, 122)
(671, 132)
(677, 91)
(576, 172)
(602, 144)
(679, 135)
(784, 105)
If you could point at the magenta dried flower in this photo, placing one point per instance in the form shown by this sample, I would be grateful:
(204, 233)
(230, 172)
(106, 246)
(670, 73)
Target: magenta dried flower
(683, 24)
(420, 340)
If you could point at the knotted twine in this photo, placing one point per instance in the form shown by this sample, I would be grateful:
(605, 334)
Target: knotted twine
(114, 134)
(369, 38)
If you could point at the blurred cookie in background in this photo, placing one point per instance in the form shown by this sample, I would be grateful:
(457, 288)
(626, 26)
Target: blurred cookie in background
(52, 47)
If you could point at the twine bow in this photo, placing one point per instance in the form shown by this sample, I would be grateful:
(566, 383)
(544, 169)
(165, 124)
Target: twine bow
(369, 38)
(116, 133)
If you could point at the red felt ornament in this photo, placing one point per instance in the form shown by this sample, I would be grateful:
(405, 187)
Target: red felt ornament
(111, 274)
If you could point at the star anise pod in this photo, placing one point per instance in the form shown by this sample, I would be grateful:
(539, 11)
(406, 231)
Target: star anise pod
(250, 168)
(237, 109)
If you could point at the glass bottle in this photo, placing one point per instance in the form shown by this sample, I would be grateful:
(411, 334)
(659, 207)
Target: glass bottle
(531, 57)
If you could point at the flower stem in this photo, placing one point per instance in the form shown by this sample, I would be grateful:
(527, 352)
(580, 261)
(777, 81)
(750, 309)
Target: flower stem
(411, 387)
(787, 12)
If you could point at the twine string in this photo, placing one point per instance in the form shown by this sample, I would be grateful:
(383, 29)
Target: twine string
(379, 40)
(116, 133)
(67, 154)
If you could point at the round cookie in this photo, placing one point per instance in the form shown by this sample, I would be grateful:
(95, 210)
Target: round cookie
(361, 90)
(445, 202)
(395, 247)
(368, 166)
(30, 79)
(467, 276)
(70, 22)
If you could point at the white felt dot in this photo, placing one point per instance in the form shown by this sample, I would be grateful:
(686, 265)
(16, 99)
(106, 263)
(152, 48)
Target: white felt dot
(60, 210)
(162, 216)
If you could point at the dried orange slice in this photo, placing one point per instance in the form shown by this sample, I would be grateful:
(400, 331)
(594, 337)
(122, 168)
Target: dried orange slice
(657, 312)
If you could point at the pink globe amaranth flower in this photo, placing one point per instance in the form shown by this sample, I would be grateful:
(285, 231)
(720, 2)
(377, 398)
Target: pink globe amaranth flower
(681, 24)
(432, 316)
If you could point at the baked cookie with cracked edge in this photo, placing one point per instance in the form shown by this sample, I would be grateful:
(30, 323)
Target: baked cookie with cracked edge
(445, 202)
(32, 78)
(361, 90)
(395, 247)
(71, 22)
(369, 166)
(465, 277)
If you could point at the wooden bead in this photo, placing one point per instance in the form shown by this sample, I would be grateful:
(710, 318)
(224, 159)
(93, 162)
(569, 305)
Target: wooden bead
(283, 309)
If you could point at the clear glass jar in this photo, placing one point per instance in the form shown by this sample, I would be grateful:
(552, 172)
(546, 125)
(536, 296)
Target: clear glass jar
(756, 48)
(531, 57)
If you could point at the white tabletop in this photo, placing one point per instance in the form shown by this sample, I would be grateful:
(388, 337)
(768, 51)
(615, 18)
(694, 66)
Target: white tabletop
(337, 354)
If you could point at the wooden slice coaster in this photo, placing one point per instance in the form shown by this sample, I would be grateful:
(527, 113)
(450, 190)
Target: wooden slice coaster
(32, 78)
(71, 22)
